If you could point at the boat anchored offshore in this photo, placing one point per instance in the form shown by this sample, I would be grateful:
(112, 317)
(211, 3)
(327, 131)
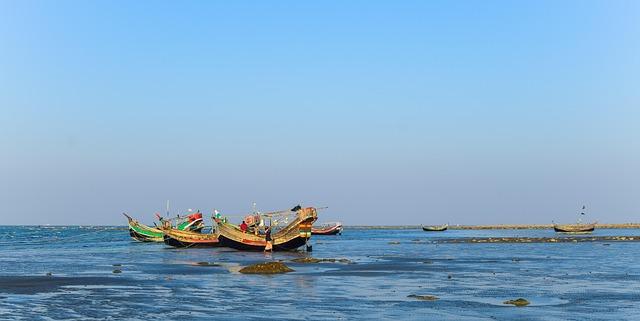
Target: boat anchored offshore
(289, 237)
(574, 228)
(435, 228)
(332, 228)
(577, 228)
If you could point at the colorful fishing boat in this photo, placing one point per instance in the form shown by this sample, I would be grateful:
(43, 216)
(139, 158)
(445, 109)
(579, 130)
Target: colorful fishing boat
(179, 238)
(290, 237)
(435, 228)
(143, 233)
(332, 228)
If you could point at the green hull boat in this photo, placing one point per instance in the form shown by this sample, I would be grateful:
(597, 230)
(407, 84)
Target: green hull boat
(144, 233)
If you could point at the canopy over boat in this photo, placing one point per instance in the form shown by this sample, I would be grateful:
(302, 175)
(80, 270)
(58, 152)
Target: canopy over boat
(289, 237)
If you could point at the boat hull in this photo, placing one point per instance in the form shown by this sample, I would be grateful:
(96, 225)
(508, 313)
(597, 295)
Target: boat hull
(574, 228)
(142, 237)
(168, 240)
(143, 233)
(327, 231)
(177, 238)
(247, 245)
(435, 228)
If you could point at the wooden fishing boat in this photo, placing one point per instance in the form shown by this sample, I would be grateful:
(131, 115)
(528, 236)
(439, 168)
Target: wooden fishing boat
(574, 228)
(435, 228)
(579, 227)
(179, 238)
(289, 237)
(327, 229)
(143, 233)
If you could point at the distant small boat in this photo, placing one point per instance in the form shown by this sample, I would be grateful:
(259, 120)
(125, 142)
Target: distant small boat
(179, 238)
(574, 228)
(435, 228)
(327, 229)
(579, 227)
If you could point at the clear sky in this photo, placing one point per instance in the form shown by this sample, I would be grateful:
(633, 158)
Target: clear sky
(387, 112)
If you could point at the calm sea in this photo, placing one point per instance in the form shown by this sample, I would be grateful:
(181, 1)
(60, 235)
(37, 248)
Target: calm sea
(563, 281)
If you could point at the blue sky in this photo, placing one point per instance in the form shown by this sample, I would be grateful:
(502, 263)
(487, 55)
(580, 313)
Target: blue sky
(388, 112)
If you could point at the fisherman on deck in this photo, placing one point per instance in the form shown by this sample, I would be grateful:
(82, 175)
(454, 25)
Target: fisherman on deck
(243, 227)
(267, 237)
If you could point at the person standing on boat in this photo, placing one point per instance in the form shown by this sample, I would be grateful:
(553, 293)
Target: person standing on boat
(267, 237)
(243, 227)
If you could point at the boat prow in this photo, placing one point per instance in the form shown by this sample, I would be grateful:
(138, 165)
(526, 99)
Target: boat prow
(143, 233)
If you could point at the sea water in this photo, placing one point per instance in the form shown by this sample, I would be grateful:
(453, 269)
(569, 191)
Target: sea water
(67, 273)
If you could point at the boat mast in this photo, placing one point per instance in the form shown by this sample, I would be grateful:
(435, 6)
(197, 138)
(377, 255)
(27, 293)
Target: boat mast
(167, 208)
(581, 214)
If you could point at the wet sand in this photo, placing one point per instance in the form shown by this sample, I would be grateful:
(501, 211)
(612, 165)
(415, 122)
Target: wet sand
(45, 284)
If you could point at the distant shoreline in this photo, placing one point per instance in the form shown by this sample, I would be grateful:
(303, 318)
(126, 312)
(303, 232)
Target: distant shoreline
(489, 227)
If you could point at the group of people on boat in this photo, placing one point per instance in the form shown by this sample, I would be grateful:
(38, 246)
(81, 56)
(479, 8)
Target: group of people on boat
(244, 227)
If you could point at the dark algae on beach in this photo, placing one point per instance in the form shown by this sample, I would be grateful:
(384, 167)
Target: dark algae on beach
(520, 302)
(266, 268)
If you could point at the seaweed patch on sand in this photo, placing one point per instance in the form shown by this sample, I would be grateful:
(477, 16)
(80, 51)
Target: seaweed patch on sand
(266, 268)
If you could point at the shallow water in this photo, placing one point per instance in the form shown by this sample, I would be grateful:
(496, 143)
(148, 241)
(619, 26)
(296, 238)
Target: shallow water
(563, 281)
